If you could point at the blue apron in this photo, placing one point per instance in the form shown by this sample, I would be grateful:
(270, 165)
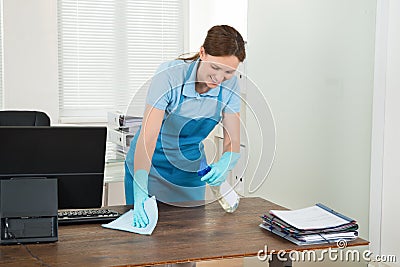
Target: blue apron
(179, 150)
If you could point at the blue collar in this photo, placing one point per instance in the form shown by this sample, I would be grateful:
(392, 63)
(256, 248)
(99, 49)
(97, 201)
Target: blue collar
(189, 86)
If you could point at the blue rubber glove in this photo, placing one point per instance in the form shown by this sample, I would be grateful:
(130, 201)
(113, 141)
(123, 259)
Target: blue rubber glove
(219, 170)
(140, 194)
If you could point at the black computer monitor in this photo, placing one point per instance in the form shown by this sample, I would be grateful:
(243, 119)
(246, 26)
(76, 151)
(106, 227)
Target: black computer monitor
(73, 155)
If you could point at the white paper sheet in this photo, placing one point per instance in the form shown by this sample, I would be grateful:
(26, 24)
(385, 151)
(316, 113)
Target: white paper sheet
(309, 218)
(125, 221)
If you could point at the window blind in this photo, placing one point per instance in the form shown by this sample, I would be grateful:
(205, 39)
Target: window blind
(108, 49)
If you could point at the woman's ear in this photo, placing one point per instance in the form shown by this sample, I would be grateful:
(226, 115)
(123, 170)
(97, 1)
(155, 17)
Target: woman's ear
(202, 53)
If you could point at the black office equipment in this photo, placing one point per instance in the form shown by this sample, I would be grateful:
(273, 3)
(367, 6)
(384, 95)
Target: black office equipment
(28, 210)
(23, 118)
(75, 156)
(87, 215)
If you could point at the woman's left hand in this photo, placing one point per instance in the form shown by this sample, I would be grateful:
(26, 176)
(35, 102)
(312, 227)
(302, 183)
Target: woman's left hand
(219, 170)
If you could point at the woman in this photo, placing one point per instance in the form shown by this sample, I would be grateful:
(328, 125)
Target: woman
(186, 99)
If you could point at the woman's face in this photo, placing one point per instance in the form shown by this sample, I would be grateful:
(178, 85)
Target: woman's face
(214, 70)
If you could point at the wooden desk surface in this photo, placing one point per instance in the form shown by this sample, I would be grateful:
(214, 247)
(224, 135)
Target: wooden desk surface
(182, 234)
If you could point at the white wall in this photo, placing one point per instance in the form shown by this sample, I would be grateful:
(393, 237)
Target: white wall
(390, 178)
(203, 14)
(30, 55)
(313, 60)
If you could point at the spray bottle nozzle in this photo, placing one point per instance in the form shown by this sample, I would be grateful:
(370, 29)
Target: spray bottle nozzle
(204, 168)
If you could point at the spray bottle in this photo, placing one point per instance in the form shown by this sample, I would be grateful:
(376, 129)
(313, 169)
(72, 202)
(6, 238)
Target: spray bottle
(225, 194)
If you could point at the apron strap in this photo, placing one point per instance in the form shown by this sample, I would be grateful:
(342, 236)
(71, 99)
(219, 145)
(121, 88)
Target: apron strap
(188, 73)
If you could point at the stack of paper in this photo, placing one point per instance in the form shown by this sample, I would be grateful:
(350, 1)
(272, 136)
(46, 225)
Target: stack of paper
(123, 122)
(121, 129)
(313, 225)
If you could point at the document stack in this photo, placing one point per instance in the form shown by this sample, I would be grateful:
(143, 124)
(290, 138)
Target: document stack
(121, 129)
(317, 224)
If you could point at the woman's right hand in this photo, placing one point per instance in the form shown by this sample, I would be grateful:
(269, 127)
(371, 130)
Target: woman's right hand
(146, 143)
(140, 193)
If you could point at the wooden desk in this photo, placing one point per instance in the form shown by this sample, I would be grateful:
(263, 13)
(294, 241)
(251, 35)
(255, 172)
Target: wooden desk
(182, 234)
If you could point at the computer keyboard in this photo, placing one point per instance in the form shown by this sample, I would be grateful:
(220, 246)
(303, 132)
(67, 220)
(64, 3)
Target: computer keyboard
(87, 215)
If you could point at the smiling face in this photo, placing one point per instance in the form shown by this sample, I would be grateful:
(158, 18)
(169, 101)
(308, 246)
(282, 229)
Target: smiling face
(213, 70)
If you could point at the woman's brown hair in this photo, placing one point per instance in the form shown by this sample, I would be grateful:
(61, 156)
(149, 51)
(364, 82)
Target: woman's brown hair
(222, 40)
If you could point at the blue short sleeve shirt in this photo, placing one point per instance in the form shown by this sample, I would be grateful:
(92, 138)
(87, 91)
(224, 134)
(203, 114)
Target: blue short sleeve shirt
(166, 88)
